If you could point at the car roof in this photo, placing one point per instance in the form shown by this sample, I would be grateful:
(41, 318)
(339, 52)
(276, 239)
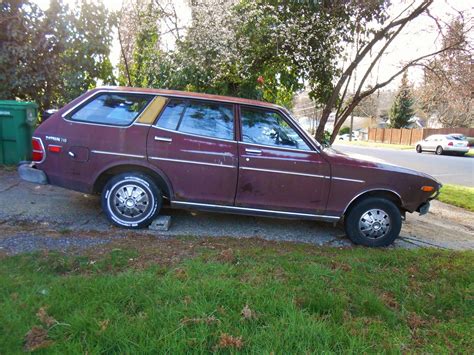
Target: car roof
(192, 95)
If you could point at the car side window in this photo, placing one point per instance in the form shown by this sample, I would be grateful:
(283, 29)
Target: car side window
(112, 109)
(208, 119)
(269, 128)
(201, 118)
(171, 115)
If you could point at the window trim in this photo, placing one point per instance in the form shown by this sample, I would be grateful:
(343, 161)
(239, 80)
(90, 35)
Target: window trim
(286, 119)
(67, 115)
(187, 102)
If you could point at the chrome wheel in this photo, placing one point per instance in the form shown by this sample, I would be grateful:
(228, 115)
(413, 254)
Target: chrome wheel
(130, 201)
(374, 223)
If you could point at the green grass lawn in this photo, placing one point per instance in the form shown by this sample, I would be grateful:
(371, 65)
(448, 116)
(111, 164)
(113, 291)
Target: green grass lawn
(457, 195)
(255, 297)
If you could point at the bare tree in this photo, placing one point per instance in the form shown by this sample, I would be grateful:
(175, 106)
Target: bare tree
(447, 92)
(384, 36)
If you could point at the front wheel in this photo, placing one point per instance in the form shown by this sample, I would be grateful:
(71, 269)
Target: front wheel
(373, 222)
(439, 150)
(131, 200)
(419, 149)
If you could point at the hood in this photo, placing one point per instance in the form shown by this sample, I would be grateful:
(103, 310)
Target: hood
(372, 162)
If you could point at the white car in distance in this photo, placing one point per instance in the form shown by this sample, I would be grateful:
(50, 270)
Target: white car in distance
(444, 143)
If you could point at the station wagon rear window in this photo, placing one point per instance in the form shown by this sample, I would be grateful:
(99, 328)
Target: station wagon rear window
(112, 109)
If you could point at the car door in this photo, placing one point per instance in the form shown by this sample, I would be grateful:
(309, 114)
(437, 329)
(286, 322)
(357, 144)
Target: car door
(193, 144)
(278, 168)
(430, 143)
(98, 132)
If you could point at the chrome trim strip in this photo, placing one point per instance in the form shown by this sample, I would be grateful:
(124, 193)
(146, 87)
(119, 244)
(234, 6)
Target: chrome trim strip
(279, 148)
(118, 154)
(285, 172)
(374, 189)
(141, 124)
(333, 218)
(227, 154)
(351, 180)
(195, 135)
(192, 162)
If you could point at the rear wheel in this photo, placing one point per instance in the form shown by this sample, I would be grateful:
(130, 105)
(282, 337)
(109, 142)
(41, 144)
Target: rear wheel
(373, 222)
(419, 149)
(131, 200)
(439, 150)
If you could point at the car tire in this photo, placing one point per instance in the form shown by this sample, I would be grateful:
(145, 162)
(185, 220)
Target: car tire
(419, 149)
(373, 222)
(439, 150)
(131, 200)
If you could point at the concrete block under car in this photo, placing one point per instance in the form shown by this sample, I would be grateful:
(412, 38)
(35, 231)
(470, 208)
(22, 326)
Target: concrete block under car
(161, 223)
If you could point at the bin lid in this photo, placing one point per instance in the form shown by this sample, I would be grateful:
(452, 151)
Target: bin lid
(17, 104)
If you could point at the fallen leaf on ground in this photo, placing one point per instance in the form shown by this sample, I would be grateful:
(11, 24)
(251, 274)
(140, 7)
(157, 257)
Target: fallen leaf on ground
(104, 324)
(415, 321)
(389, 299)
(229, 341)
(227, 256)
(36, 338)
(208, 320)
(45, 318)
(181, 273)
(247, 313)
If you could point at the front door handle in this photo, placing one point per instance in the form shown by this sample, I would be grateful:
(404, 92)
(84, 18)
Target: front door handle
(163, 139)
(253, 151)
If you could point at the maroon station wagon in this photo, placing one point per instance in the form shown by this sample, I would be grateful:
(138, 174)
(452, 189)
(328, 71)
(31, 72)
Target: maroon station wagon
(143, 148)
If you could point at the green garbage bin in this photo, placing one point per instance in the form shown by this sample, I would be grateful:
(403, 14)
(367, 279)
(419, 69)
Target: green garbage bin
(17, 123)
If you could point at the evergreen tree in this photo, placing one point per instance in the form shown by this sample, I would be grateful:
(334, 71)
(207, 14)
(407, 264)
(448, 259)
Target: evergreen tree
(402, 109)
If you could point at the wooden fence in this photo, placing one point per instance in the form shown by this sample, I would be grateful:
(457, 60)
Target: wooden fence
(411, 136)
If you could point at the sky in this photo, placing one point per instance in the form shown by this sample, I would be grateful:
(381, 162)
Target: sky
(419, 37)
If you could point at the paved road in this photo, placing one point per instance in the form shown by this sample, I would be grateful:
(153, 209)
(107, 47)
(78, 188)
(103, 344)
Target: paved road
(447, 169)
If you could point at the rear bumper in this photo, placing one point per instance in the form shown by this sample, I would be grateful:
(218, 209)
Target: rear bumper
(29, 173)
(456, 149)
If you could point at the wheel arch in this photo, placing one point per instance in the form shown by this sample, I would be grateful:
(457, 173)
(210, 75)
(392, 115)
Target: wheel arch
(388, 194)
(161, 180)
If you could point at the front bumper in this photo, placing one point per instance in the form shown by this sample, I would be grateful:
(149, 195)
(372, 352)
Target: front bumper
(424, 208)
(29, 173)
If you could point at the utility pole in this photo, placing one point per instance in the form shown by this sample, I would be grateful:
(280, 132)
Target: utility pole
(354, 89)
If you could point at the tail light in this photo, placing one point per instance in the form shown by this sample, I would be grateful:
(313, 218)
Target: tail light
(38, 150)
(450, 144)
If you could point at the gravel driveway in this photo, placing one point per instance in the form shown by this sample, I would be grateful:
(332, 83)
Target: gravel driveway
(36, 217)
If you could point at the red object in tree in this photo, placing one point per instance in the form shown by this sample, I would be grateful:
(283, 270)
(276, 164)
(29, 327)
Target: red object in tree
(260, 80)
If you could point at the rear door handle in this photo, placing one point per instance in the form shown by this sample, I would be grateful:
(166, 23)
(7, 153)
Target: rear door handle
(253, 151)
(163, 139)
